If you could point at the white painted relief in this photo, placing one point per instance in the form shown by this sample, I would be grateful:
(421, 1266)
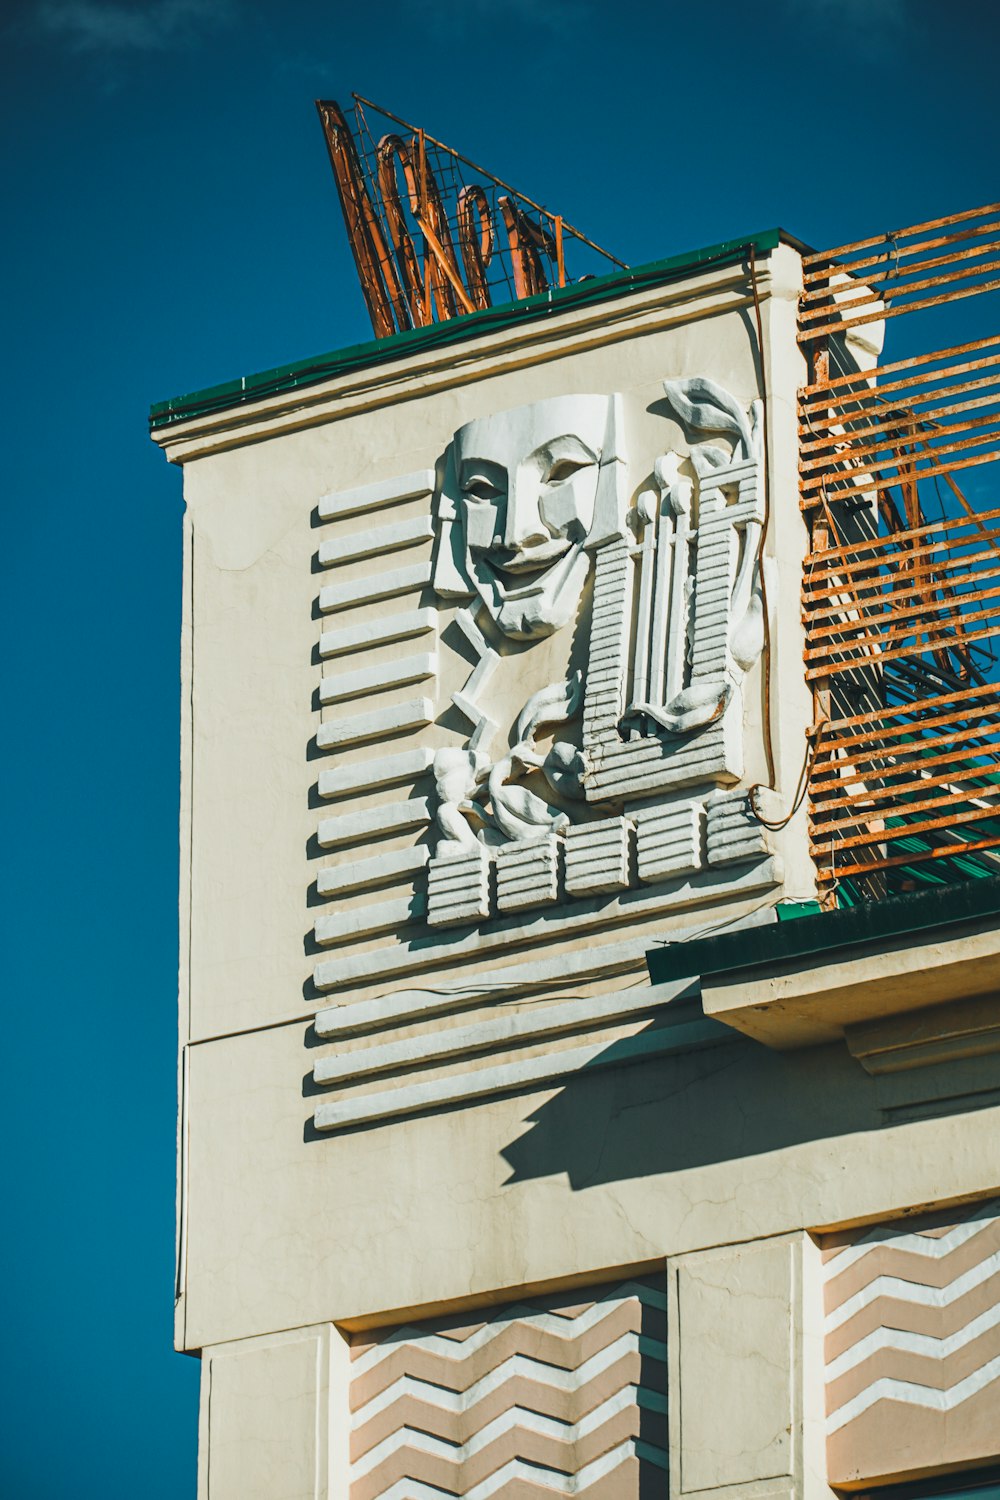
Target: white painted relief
(522, 493)
(608, 605)
(536, 529)
(694, 600)
(700, 615)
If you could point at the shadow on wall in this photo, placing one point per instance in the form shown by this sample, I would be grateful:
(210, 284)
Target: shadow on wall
(730, 1099)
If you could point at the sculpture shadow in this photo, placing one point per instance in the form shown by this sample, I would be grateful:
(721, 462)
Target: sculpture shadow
(722, 1101)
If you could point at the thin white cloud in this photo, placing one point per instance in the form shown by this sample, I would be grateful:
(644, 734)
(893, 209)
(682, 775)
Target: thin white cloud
(110, 26)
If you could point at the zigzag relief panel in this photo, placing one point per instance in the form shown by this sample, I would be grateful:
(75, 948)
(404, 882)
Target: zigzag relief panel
(913, 1344)
(564, 1395)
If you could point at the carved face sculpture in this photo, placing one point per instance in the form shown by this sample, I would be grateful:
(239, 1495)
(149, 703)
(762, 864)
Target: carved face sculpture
(526, 483)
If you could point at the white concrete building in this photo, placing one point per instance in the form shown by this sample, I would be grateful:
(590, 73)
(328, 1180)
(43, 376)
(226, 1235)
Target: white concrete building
(525, 1147)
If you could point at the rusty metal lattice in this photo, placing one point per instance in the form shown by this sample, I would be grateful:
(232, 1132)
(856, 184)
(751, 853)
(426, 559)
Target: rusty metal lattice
(434, 236)
(893, 273)
(901, 589)
(900, 423)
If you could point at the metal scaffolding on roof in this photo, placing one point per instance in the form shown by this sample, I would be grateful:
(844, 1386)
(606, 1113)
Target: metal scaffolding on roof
(901, 590)
(434, 236)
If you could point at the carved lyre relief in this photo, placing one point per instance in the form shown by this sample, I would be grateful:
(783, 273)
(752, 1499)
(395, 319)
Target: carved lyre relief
(700, 620)
(684, 625)
(538, 539)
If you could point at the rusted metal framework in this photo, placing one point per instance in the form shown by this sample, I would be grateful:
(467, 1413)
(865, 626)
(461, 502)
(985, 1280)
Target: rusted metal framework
(434, 236)
(901, 591)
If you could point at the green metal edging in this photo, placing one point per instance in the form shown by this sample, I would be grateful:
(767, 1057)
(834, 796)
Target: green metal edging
(440, 335)
(810, 937)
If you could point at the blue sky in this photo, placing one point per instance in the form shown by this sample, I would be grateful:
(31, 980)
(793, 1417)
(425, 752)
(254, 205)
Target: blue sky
(172, 222)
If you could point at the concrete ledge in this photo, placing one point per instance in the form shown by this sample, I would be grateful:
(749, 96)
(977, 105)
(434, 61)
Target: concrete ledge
(802, 1005)
(939, 1034)
(818, 978)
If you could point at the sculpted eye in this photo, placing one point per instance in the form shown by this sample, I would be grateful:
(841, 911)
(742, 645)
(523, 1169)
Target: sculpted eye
(565, 468)
(478, 488)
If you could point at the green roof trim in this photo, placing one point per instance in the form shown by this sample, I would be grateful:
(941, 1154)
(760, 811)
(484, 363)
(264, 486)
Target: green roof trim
(814, 937)
(587, 293)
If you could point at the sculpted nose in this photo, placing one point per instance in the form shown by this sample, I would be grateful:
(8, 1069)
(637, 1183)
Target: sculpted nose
(524, 526)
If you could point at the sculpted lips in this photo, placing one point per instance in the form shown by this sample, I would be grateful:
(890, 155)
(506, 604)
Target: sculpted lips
(518, 568)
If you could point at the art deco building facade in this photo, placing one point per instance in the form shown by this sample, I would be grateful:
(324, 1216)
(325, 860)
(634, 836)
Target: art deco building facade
(570, 1105)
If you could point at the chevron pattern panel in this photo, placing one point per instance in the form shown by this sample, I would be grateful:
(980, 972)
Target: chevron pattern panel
(564, 1395)
(913, 1344)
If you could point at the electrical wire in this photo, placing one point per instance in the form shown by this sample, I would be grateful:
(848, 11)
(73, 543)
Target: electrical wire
(813, 738)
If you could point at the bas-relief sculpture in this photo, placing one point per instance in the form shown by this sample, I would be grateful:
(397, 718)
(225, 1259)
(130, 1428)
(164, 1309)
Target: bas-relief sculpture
(517, 506)
(583, 780)
(658, 601)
